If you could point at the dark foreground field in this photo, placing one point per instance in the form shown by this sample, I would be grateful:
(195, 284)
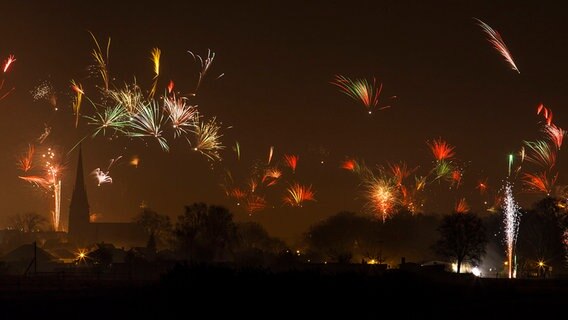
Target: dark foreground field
(207, 292)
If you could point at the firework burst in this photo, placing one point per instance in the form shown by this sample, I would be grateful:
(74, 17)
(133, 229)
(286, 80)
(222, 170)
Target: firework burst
(361, 90)
(441, 149)
(205, 64)
(101, 60)
(103, 176)
(129, 97)
(254, 203)
(540, 153)
(382, 195)
(51, 182)
(45, 91)
(495, 39)
(291, 161)
(546, 113)
(207, 139)
(462, 206)
(148, 123)
(298, 194)
(182, 115)
(115, 118)
(539, 182)
(26, 160)
(554, 134)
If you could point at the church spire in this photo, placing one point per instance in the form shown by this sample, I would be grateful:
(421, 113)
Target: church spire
(79, 191)
(79, 207)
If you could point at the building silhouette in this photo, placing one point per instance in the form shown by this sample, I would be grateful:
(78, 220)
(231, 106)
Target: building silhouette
(83, 232)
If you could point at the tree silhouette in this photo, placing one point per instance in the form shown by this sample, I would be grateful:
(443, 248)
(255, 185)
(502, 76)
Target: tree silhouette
(339, 237)
(205, 233)
(255, 246)
(102, 255)
(462, 237)
(157, 226)
(27, 222)
(409, 235)
(541, 234)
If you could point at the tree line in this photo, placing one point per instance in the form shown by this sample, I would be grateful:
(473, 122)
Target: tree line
(208, 233)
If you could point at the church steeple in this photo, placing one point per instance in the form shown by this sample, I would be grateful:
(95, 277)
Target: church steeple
(79, 207)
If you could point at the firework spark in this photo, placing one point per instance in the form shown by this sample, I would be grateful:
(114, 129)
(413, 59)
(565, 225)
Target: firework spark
(155, 58)
(135, 161)
(129, 97)
(102, 61)
(271, 176)
(540, 153)
(554, 134)
(238, 150)
(115, 118)
(236, 193)
(291, 161)
(25, 161)
(539, 182)
(148, 123)
(382, 196)
(441, 149)
(78, 88)
(102, 177)
(45, 91)
(400, 172)
(511, 221)
(208, 139)
(182, 115)
(443, 170)
(6, 67)
(361, 90)
(482, 186)
(420, 183)
(270, 154)
(298, 194)
(456, 176)
(205, 64)
(254, 203)
(350, 164)
(51, 182)
(495, 39)
(546, 113)
(11, 59)
(462, 206)
(45, 134)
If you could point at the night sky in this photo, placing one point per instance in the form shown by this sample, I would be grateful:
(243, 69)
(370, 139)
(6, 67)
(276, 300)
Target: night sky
(279, 59)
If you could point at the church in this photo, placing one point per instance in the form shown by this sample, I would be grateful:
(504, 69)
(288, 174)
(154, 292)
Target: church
(83, 232)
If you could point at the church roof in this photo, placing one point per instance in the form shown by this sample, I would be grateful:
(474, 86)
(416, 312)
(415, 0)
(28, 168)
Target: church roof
(26, 253)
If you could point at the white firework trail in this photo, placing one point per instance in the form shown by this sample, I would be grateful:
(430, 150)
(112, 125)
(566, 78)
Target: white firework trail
(511, 220)
(205, 64)
(495, 39)
(102, 177)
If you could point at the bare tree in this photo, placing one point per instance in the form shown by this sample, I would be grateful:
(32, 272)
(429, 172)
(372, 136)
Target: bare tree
(157, 226)
(462, 237)
(27, 222)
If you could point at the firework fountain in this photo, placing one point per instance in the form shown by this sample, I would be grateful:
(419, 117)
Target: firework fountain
(511, 221)
(54, 183)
